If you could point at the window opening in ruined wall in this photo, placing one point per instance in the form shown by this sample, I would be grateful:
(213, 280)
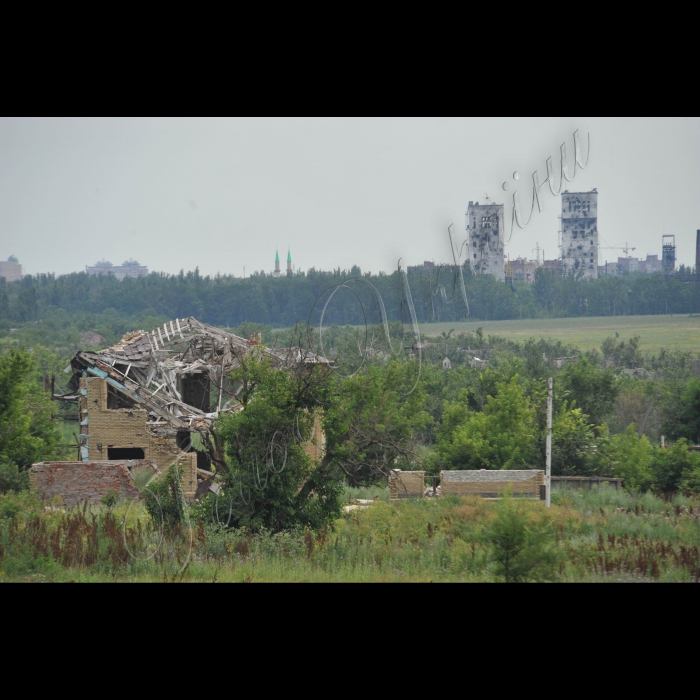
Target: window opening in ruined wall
(117, 455)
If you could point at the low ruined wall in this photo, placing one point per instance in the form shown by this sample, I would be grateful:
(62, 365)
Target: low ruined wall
(404, 485)
(493, 484)
(80, 482)
(584, 483)
(84, 482)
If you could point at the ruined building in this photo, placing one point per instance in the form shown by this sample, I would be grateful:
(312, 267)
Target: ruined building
(580, 233)
(143, 400)
(486, 229)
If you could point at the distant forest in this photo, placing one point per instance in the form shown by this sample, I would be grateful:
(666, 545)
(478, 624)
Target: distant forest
(436, 295)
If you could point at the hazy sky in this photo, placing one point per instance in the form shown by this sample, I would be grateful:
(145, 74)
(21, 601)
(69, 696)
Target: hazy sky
(222, 193)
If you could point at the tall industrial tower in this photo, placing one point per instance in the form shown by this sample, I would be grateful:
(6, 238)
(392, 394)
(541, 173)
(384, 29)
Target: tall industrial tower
(486, 228)
(669, 254)
(579, 241)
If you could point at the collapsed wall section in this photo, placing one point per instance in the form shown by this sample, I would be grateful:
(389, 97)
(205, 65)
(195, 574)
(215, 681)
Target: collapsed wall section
(85, 482)
(124, 433)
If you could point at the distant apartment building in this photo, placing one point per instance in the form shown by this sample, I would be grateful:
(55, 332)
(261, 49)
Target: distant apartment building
(523, 270)
(629, 266)
(611, 269)
(651, 265)
(486, 229)
(131, 268)
(579, 223)
(11, 271)
(556, 267)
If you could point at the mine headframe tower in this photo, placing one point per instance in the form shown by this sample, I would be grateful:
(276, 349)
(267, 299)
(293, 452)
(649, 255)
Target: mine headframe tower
(669, 255)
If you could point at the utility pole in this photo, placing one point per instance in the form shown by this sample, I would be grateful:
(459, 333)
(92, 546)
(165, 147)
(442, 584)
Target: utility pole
(550, 412)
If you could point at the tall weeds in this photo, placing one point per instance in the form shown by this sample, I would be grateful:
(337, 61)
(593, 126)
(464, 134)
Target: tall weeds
(596, 536)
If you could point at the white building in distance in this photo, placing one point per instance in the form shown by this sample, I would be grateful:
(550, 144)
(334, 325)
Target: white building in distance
(131, 268)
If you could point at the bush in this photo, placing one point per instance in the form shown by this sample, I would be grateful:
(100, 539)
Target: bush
(523, 546)
(676, 468)
(12, 479)
(632, 458)
(165, 499)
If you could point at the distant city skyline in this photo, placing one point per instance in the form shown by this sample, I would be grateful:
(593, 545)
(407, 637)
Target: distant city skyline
(220, 193)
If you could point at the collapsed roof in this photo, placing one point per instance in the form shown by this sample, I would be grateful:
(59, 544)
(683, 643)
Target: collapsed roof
(177, 373)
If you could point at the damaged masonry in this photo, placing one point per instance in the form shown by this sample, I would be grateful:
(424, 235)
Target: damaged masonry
(156, 396)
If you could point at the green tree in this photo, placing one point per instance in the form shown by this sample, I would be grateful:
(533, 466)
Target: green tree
(574, 444)
(268, 466)
(12, 479)
(368, 422)
(27, 432)
(502, 437)
(674, 467)
(593, 390)
(4, 305)
(631, 458)
(690, 413)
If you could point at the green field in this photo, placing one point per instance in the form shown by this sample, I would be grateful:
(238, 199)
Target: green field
(656, 332)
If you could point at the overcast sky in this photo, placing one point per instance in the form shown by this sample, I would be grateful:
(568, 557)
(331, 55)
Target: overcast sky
(222, 193)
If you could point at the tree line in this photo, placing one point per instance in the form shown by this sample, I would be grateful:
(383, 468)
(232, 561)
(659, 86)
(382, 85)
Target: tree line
(436, 296)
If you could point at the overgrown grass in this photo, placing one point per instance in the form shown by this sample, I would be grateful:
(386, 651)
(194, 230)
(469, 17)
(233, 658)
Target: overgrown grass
(600, 536)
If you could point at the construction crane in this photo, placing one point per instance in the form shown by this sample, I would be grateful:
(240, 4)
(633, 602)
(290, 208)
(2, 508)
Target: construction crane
(626, 248)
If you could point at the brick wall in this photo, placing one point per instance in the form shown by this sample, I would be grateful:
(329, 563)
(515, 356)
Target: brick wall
(127, 429)
(492, 484)
(405, 485)
(80, 482)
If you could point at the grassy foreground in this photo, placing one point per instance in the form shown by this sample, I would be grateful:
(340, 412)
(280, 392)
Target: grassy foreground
(656, 332)
(604, 536)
